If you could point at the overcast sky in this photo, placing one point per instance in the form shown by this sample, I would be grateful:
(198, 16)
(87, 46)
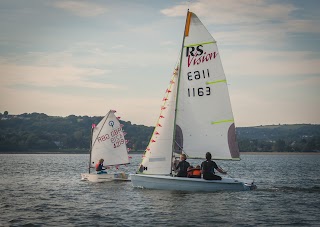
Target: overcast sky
(86, 57)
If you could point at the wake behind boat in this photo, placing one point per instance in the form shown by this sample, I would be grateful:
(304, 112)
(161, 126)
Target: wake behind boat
(195, 118)
(108, 149)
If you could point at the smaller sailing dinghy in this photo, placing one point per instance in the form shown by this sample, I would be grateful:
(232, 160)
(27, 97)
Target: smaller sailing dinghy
(195, 118)
(107, 143)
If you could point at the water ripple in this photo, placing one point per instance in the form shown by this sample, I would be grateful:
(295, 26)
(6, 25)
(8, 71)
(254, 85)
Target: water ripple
(287, 194)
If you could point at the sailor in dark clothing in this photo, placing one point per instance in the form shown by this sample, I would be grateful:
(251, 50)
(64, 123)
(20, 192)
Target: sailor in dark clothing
(207, 169)
(182, 166)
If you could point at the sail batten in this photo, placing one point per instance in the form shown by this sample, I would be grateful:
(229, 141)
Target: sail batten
(222, 121)
(197, 44)
(217, 81)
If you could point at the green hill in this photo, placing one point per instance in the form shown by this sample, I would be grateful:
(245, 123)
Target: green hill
(37, 131)
(297, 137)
(40, 132)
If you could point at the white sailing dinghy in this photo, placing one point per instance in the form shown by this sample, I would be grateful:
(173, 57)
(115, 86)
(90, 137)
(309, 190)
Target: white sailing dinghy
(107, 143)
(196, 117)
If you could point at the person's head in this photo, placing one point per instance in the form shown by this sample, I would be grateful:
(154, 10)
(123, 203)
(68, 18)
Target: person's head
(183, 157)
(101, 160)
(208, 156)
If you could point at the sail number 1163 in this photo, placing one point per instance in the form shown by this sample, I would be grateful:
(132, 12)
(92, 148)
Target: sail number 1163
(199, 91)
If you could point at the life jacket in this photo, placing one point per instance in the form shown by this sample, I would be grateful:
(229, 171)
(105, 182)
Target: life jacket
(98, 167)
(194, 173)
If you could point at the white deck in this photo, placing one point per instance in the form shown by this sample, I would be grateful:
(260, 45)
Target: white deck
(189, 184)
(93, 177)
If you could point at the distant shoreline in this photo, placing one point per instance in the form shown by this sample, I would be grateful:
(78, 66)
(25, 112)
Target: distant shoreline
(277, 153)
(43, 152)
(59, 152)
(141, 152)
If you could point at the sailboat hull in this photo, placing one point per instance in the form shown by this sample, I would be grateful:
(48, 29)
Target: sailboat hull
(98, 178)
(189, 184)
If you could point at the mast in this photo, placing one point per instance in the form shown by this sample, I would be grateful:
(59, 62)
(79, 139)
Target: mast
(185, 33)
(90, 148)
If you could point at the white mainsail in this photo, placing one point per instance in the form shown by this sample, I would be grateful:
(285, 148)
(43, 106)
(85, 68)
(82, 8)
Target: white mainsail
(204, 111)
(108, 142)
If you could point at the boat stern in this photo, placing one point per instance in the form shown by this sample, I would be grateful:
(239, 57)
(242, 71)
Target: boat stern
(250, 186)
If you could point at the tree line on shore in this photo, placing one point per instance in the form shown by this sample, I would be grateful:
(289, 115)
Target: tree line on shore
(40, 132)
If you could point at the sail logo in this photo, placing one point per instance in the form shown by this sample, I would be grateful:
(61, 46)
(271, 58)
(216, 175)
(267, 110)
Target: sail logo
(103, 138)
(196, 55)
(114, 133)
(194, 51)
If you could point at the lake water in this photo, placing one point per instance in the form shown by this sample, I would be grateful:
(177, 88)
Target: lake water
(46, 190)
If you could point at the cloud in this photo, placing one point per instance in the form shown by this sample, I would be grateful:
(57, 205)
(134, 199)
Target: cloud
(58, 104)
(294, 25)
(307, 82)
(246, 13)
(81, 8)
(252, 107)
(270, 63)
(265, 36)
(44, 76)
(263, 47)
(167, 43)
(232, 11)
(119, 46)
